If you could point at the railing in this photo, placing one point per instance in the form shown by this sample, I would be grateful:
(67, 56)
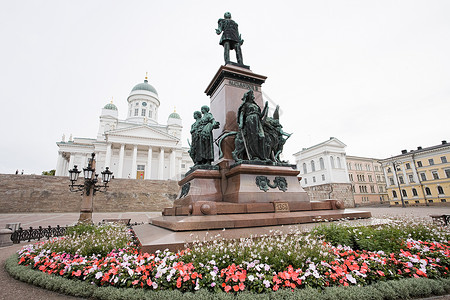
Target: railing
(36, 234)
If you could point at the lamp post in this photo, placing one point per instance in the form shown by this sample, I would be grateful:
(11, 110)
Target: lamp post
(89, 187)
(395, 164)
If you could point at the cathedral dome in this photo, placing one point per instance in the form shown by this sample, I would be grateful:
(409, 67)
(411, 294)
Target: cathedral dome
(110, 106)
(174, 115)
(145, 86)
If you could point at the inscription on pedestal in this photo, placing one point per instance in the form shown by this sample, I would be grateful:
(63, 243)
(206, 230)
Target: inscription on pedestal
(243, 85)
(281, 206)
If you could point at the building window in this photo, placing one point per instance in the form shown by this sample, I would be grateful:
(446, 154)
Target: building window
(350, 176)
(414, 191)
(322, 165)
(428, 191)
(137, 103)
(339, 162)
(372, 189)
(419, 163)
(443, 159)
(304, 168)
(314, 178)
(431, 161)
(447, 173)
(389, 170)
(136, 111)
(435, 174)
(404, 193)
(349, 166)
(411, 178)
(353, 188)
(400, 178)
(183, 166)
(376, 168)
(323, 177)
(423, 176)
(313, 166)
(143, 112)
(332, 162)
(370, 178)
(408, 166)
(394, 194)
(391, 180)
(440, 190)
(306, 181)
(150, 114)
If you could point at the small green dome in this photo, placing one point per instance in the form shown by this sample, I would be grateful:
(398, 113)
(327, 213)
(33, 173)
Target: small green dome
(110, 106)
(174, 115)
(144, 87)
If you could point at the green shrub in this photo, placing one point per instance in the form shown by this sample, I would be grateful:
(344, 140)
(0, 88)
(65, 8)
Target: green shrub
(88, 239)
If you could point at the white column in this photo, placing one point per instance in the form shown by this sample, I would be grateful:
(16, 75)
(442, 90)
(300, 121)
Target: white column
(121, 157)
(71, 160)
(161, 164)
(172, 165)
(148, 171)
(108, 155)
(329, 168)
(59, 165)
(134, 162)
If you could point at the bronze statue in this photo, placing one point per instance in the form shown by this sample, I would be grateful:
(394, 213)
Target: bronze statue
(260, 138)
(202, 146)
(250, 121)
(231, 39)
(194, 152)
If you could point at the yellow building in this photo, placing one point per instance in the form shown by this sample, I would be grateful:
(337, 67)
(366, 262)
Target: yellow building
(419, 177)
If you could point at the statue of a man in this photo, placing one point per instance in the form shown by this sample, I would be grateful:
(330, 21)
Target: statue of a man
(231, 39)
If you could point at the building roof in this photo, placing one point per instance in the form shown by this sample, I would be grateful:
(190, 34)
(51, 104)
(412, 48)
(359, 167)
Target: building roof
(174, 115)
(420, 150)
(110, 106)
(144, 86)
(323, 143)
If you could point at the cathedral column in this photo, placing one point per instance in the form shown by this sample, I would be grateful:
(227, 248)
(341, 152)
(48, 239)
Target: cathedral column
(121, 156)
(161, 164)
(71, 160)
(172, 165)
(148, 171)
(133, 163)
(59, 165)
(108, 155)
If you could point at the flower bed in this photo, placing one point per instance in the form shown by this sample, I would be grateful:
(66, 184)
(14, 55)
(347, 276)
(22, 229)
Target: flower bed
(260, 265)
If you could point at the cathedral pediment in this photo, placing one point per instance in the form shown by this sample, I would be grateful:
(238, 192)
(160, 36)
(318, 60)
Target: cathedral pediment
(141, 132)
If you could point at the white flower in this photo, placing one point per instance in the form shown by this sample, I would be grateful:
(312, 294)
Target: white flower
(98, 275)
(266, 283)
(251, 277)
(351, 278)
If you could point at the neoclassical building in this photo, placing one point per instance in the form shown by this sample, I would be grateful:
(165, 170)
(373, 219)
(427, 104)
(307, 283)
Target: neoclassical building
(323, 168)
(137, 147)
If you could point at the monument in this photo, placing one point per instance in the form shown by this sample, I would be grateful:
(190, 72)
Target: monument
(239, 179)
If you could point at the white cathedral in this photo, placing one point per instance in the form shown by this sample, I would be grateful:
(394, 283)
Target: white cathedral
(137, 147)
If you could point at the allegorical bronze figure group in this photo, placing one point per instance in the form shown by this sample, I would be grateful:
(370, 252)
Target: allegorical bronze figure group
(202, 147)
(260, 137)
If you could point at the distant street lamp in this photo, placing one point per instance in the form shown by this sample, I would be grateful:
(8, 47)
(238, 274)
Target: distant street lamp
(395, 164)
(89, 187)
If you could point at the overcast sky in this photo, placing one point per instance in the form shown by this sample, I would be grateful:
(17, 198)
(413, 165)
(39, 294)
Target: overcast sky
(374, 74)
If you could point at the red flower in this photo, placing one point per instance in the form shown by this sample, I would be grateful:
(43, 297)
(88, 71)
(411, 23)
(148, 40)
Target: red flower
(227, 288)
(380, 273)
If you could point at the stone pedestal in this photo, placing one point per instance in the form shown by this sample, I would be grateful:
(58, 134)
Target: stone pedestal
(249, 183)
(226, 90)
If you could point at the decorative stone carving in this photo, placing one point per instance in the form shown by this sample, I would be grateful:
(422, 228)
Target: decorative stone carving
(264, 183)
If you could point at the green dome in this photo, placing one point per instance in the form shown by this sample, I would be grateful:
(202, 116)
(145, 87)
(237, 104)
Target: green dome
(174, 115)
(110, 106)
(144, 87)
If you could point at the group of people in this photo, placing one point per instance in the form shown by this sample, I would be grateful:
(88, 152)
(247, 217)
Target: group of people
(17, 172)
(260, 137)
(202, 142)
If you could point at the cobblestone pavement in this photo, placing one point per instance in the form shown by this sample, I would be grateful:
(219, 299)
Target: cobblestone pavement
(13, 289)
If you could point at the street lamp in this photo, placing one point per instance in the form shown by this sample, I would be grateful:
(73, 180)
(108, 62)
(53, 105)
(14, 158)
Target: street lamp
(395, 164)
(89, 187)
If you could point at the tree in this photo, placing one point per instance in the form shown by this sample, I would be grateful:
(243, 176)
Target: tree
(49, 173)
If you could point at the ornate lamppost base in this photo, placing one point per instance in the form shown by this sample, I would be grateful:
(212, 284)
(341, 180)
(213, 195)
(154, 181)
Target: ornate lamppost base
(85, 217)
